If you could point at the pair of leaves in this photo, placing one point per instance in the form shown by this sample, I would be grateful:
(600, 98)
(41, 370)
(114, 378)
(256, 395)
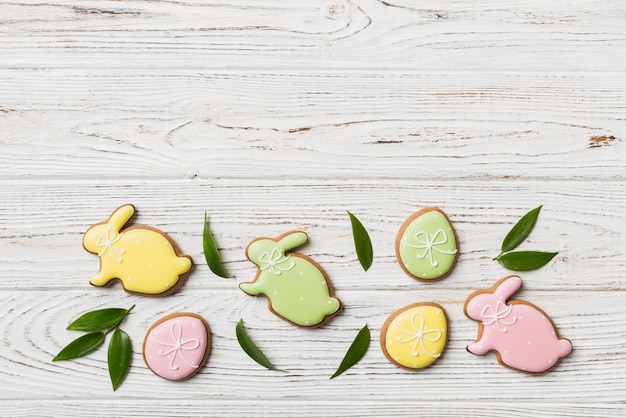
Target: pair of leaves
(211, 253)
(355, 353)
(362, 243)
(95, 323)
(522, 260)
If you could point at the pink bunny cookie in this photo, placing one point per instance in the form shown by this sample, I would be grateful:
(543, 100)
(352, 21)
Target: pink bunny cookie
(522, 335)
(145, 260)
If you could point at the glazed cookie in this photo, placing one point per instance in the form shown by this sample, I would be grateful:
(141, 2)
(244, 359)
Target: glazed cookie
(145, 260)
(297, 288)
(523, 336)
(414, 337)
(426, 245)
(176, 346)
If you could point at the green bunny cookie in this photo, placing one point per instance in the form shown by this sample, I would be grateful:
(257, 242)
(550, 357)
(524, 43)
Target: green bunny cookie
(297, 288)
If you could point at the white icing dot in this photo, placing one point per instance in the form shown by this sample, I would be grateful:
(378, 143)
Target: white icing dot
(175, 375)
(275, 292)
(528, 342)
(201, 341)
(389, 342)
(550, 361)
(301, 297)
(150, 265)
(301, 273)
(306, 322)
(435, 216)
(150, 357)
(553, 333)
(438, 312)
(158, 370)
(257, 248)
(128, 278)
(543, 317)
(193, 324)
(399, 339)
(137, 241)
(396, 359)
(167, 284)
(330, 302)
(423, 309)
(323, 282)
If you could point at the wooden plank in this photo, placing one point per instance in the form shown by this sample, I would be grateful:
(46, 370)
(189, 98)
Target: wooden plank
(488, 34)
(319, 408)
(41, 227)
(33, 332)
(316, 125)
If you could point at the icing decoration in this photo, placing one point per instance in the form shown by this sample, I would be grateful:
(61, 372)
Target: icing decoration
(297, 288)
(144, 259)
(415, 336)
(426, 245)
(176, 346)
(522, 335)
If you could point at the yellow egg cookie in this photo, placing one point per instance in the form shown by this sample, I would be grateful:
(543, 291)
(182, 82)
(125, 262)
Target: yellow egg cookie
(414, 337)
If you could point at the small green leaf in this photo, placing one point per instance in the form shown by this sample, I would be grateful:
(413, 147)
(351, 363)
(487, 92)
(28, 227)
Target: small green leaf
(81, 346)
(99, 320)
(357, 350)
(362, 243)
(118, 357)
(211, 254)
(525, 260)
(251, 348)
(521, 230)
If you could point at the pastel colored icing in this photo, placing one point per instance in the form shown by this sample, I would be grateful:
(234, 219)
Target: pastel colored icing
(297, 288)
(415, 336)
(144, 259)
(522, 335)
(426, 246)
(177, 346)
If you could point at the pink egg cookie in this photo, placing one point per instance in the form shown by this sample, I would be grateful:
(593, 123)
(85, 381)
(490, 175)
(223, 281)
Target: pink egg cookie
(523, 336)
(177, 346)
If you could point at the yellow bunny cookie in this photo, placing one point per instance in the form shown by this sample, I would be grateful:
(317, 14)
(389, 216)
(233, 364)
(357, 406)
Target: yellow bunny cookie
(144, 259)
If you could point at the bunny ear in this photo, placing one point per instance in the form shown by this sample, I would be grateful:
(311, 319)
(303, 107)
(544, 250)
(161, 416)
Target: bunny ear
(507, 286)
(293, 240)
(120, 216)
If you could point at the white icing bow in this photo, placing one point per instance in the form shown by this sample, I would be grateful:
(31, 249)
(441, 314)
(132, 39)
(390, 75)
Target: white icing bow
(274, 261)
(178, 346)
(418, 334)
(430, 245)
(106, 241)
(496, 316)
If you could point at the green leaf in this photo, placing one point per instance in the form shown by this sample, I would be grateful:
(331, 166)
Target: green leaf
(99, 320)
(362, 243)
(521, 230)
(251, 348)
(525, 260)
(211, 254)
(118, 357)
(357, 350)
(81, 346)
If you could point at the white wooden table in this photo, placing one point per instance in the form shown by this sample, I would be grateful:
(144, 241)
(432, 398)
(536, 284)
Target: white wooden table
(274, 115)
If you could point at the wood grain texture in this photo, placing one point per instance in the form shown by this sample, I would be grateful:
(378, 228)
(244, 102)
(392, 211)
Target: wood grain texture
(98, 124)
(274, 115)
